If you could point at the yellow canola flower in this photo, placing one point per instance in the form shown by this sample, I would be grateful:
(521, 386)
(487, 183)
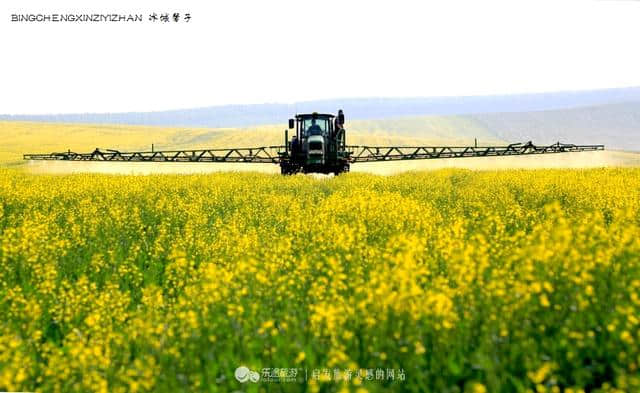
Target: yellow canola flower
(147, 283)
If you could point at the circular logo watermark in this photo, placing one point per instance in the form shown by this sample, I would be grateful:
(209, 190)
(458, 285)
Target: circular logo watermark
(244, 374)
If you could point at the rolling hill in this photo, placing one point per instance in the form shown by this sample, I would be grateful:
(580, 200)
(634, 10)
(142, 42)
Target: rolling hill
(19, 137)
(355, 109)
(615, 125)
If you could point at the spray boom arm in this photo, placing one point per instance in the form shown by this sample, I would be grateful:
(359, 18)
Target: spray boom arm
(274, 154)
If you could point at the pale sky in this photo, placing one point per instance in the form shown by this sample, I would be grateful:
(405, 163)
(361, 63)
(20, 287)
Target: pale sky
(241, 51)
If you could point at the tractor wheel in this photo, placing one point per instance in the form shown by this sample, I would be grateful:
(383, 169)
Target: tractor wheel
(343, 169)
(289, 169)
(286, 169)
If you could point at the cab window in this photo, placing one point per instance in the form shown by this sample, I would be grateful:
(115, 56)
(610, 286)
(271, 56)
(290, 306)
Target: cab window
(320, 127)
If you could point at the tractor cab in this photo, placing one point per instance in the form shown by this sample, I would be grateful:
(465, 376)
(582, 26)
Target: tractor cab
(314, 124)
(316, 145)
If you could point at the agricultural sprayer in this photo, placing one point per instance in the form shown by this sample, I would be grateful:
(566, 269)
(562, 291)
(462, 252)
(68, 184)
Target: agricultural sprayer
(317, 144)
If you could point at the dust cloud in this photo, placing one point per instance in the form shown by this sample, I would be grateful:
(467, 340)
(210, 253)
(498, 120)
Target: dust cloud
(592, 159)
(144, 168)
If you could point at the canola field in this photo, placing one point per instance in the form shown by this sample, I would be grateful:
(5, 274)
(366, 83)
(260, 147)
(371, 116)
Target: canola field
(444, 281)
